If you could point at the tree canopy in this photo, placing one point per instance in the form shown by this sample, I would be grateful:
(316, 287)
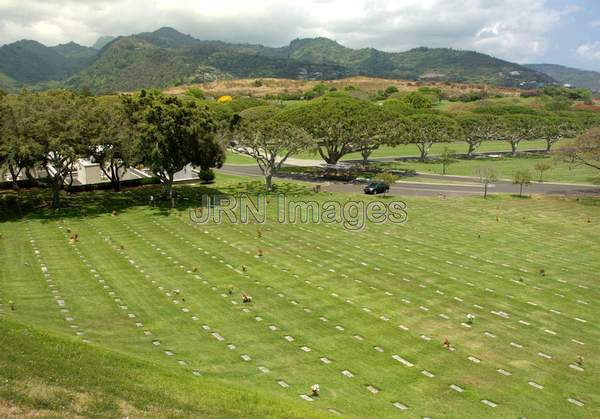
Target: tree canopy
(171, 134)
(268, 141)
(338, 123)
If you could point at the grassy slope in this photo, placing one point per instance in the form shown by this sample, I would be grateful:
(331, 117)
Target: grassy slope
(438, 231)
(45, 374)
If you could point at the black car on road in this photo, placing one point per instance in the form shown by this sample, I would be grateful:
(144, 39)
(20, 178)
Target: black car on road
(376, 187)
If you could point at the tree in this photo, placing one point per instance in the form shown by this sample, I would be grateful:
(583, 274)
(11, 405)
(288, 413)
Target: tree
(584, 150)
(379, 127)
(554, 129)
(55, 123)
(427, 129)
(391, 90)
(487, 174)
(418, 100)
(171, 134)
(110, 138)
(541, 167)
(195, 92)
(268, 141)
(478, 128)
(522, 178)
(18, 151)
(334, 121)
(447, 157)
(516, 128)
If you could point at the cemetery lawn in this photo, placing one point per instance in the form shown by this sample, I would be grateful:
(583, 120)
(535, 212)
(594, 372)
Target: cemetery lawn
(136, 315)
(506, 166)
(408, 150)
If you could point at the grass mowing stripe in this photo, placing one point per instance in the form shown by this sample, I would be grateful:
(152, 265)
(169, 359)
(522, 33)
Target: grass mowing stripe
(180, 257)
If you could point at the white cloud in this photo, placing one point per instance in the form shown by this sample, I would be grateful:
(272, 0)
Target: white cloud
(511, 29)
(589, 51)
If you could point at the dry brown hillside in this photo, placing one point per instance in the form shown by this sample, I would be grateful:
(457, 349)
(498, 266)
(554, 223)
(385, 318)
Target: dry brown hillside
(250, 87)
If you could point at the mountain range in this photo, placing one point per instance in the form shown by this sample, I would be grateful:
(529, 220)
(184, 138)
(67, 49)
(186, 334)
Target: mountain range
(167, 57)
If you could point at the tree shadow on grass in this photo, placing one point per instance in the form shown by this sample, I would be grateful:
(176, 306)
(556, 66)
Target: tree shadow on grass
(34, 203)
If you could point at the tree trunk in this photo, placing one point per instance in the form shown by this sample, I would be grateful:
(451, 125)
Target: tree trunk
(548, 145)
(365, 155)
(471, 150)
(513, 146)
(443, 168)
(485, 187)
(332, 158)
(14, 176)
(269, 182)
(55, 193)
(114, 178)
(168, 185)
(424, 151)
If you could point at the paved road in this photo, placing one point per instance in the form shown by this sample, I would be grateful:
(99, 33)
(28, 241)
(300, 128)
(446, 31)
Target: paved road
(440, 185)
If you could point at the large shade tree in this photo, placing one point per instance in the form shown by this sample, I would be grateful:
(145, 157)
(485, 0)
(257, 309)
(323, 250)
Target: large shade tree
(171, 134)
(519, 127)
(18, 151)
(555, 128)
(109, 137)
(379, 127)
(428, 129)
(54, 122)
(268, 141)
(478, 128)
(335, 122)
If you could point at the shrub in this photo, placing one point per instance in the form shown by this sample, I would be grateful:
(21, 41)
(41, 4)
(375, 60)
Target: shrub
(391, 89)
(195, 93)
(206, 175)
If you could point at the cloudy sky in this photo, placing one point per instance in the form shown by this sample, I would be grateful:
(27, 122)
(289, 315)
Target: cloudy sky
(557, 31)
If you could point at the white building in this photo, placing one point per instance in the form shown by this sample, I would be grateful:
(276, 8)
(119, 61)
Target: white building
(87, 172)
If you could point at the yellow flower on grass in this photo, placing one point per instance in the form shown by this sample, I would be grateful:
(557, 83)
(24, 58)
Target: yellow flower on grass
(225, 99)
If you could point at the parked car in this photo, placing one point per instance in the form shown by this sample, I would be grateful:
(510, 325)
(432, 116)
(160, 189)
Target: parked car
(376, 187)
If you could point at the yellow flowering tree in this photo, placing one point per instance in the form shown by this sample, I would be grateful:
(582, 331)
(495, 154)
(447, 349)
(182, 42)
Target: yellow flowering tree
(225, 99)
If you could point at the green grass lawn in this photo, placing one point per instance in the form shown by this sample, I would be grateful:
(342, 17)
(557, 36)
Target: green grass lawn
(363, 313)
(436, 149)
(235, 158)
(506, 166)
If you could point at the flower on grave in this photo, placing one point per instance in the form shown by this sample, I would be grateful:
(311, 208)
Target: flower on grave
(470, 318)
(315, 390)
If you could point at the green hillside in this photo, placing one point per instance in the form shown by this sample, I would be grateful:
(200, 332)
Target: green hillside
(573, 76)
(29, 62)
(167, 57)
